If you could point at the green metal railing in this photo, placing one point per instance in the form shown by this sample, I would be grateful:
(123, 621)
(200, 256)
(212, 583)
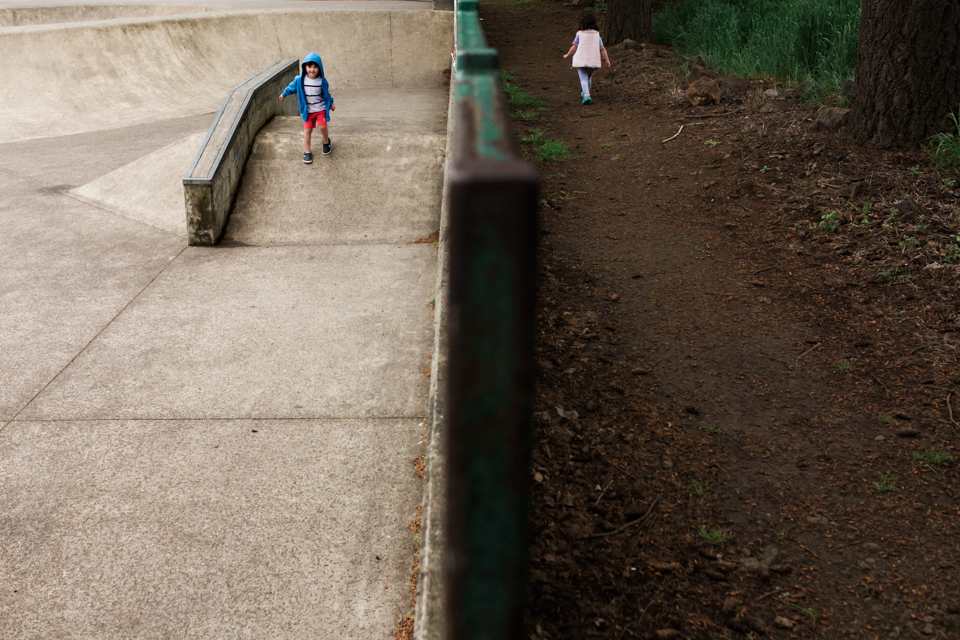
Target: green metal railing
(492, 247)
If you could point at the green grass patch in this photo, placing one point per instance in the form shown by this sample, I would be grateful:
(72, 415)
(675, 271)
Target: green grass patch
(551, 151)
(544, 149)
(931, 459)
(885, 483)
(527, 114)
(699, 489)
(946, 146)
(517, 97)
(714, 536)
(789, 40)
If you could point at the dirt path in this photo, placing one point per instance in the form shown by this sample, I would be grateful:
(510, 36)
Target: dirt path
(742, 419)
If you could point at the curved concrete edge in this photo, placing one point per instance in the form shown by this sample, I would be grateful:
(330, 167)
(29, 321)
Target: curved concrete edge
(430, 614)
(211, 183)
(41, 15)
(141, 71)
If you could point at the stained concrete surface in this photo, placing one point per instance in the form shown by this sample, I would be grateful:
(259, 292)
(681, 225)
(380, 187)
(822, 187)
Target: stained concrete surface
(205, 529)
(68, 159)
(66, 270)
(160, 474)
(266, 332)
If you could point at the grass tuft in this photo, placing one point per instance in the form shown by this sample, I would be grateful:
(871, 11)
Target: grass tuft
(946, 146)
(517, 97)
(715, 535)
(886, 483)
(932, 459)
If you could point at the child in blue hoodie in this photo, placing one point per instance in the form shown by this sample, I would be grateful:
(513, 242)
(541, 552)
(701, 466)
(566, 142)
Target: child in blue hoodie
(314, 100)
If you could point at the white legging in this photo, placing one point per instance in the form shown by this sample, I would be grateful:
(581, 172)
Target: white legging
(586, 78)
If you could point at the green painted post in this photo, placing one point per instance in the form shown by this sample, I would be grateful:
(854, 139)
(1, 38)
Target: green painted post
(492, 236)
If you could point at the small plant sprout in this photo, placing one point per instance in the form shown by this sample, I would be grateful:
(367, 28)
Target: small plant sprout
(432, 301)
(813, 613)
(607, 144)
(534, 138)
(713, 143)
(915, 171)
(895, 276)
(885, 484)
(714, 431)
(780, 535)
(932, 459)
(699, 489)
(764, 169)
(842, 366)
(561, 175)
(885, 419)
(909, 242)
(953, 253)
(715, 535)
(829, 222)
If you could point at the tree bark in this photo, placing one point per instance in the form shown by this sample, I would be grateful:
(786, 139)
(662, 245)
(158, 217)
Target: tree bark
(628, 20)
(907, 77)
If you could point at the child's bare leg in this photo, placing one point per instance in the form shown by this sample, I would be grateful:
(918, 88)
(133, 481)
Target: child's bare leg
(307, 133)
(325, 132)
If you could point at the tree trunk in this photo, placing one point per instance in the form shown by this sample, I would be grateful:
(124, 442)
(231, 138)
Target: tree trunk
(908, 78)
(628, 20)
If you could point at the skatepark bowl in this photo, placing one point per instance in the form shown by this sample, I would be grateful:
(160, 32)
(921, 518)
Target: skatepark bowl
(218, 441)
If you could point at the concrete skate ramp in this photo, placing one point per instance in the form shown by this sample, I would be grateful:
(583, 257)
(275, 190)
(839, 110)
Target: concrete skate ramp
(121, 73)
(379, 187)
(149, 189)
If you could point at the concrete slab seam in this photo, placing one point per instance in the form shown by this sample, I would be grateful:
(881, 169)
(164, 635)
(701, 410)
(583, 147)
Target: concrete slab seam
(93, 339)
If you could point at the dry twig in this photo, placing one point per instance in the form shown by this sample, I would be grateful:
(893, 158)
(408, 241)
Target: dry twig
(806, 352)
(950, 410)
(674, 135)
(624, 527)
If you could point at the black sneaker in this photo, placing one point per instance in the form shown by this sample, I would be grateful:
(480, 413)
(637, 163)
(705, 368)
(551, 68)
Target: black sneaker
(307, 158)
(326, 148)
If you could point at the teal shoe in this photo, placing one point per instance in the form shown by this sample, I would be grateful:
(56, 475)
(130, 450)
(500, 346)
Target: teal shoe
(587, 100)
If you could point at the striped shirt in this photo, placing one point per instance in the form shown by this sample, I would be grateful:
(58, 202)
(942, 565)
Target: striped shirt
(315, 101)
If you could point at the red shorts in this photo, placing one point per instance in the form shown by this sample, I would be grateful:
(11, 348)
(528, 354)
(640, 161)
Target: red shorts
(318, 119)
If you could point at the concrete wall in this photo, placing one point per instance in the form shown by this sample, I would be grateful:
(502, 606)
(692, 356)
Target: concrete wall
(212, 182)
(120, 73)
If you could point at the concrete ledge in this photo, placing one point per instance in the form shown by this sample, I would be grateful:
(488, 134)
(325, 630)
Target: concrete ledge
(430, 615)
(211, 183)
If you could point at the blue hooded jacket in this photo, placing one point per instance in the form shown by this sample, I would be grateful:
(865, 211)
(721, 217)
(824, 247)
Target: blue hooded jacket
(297, 86)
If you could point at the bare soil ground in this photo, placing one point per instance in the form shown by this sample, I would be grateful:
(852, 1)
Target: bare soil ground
(748, 391)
